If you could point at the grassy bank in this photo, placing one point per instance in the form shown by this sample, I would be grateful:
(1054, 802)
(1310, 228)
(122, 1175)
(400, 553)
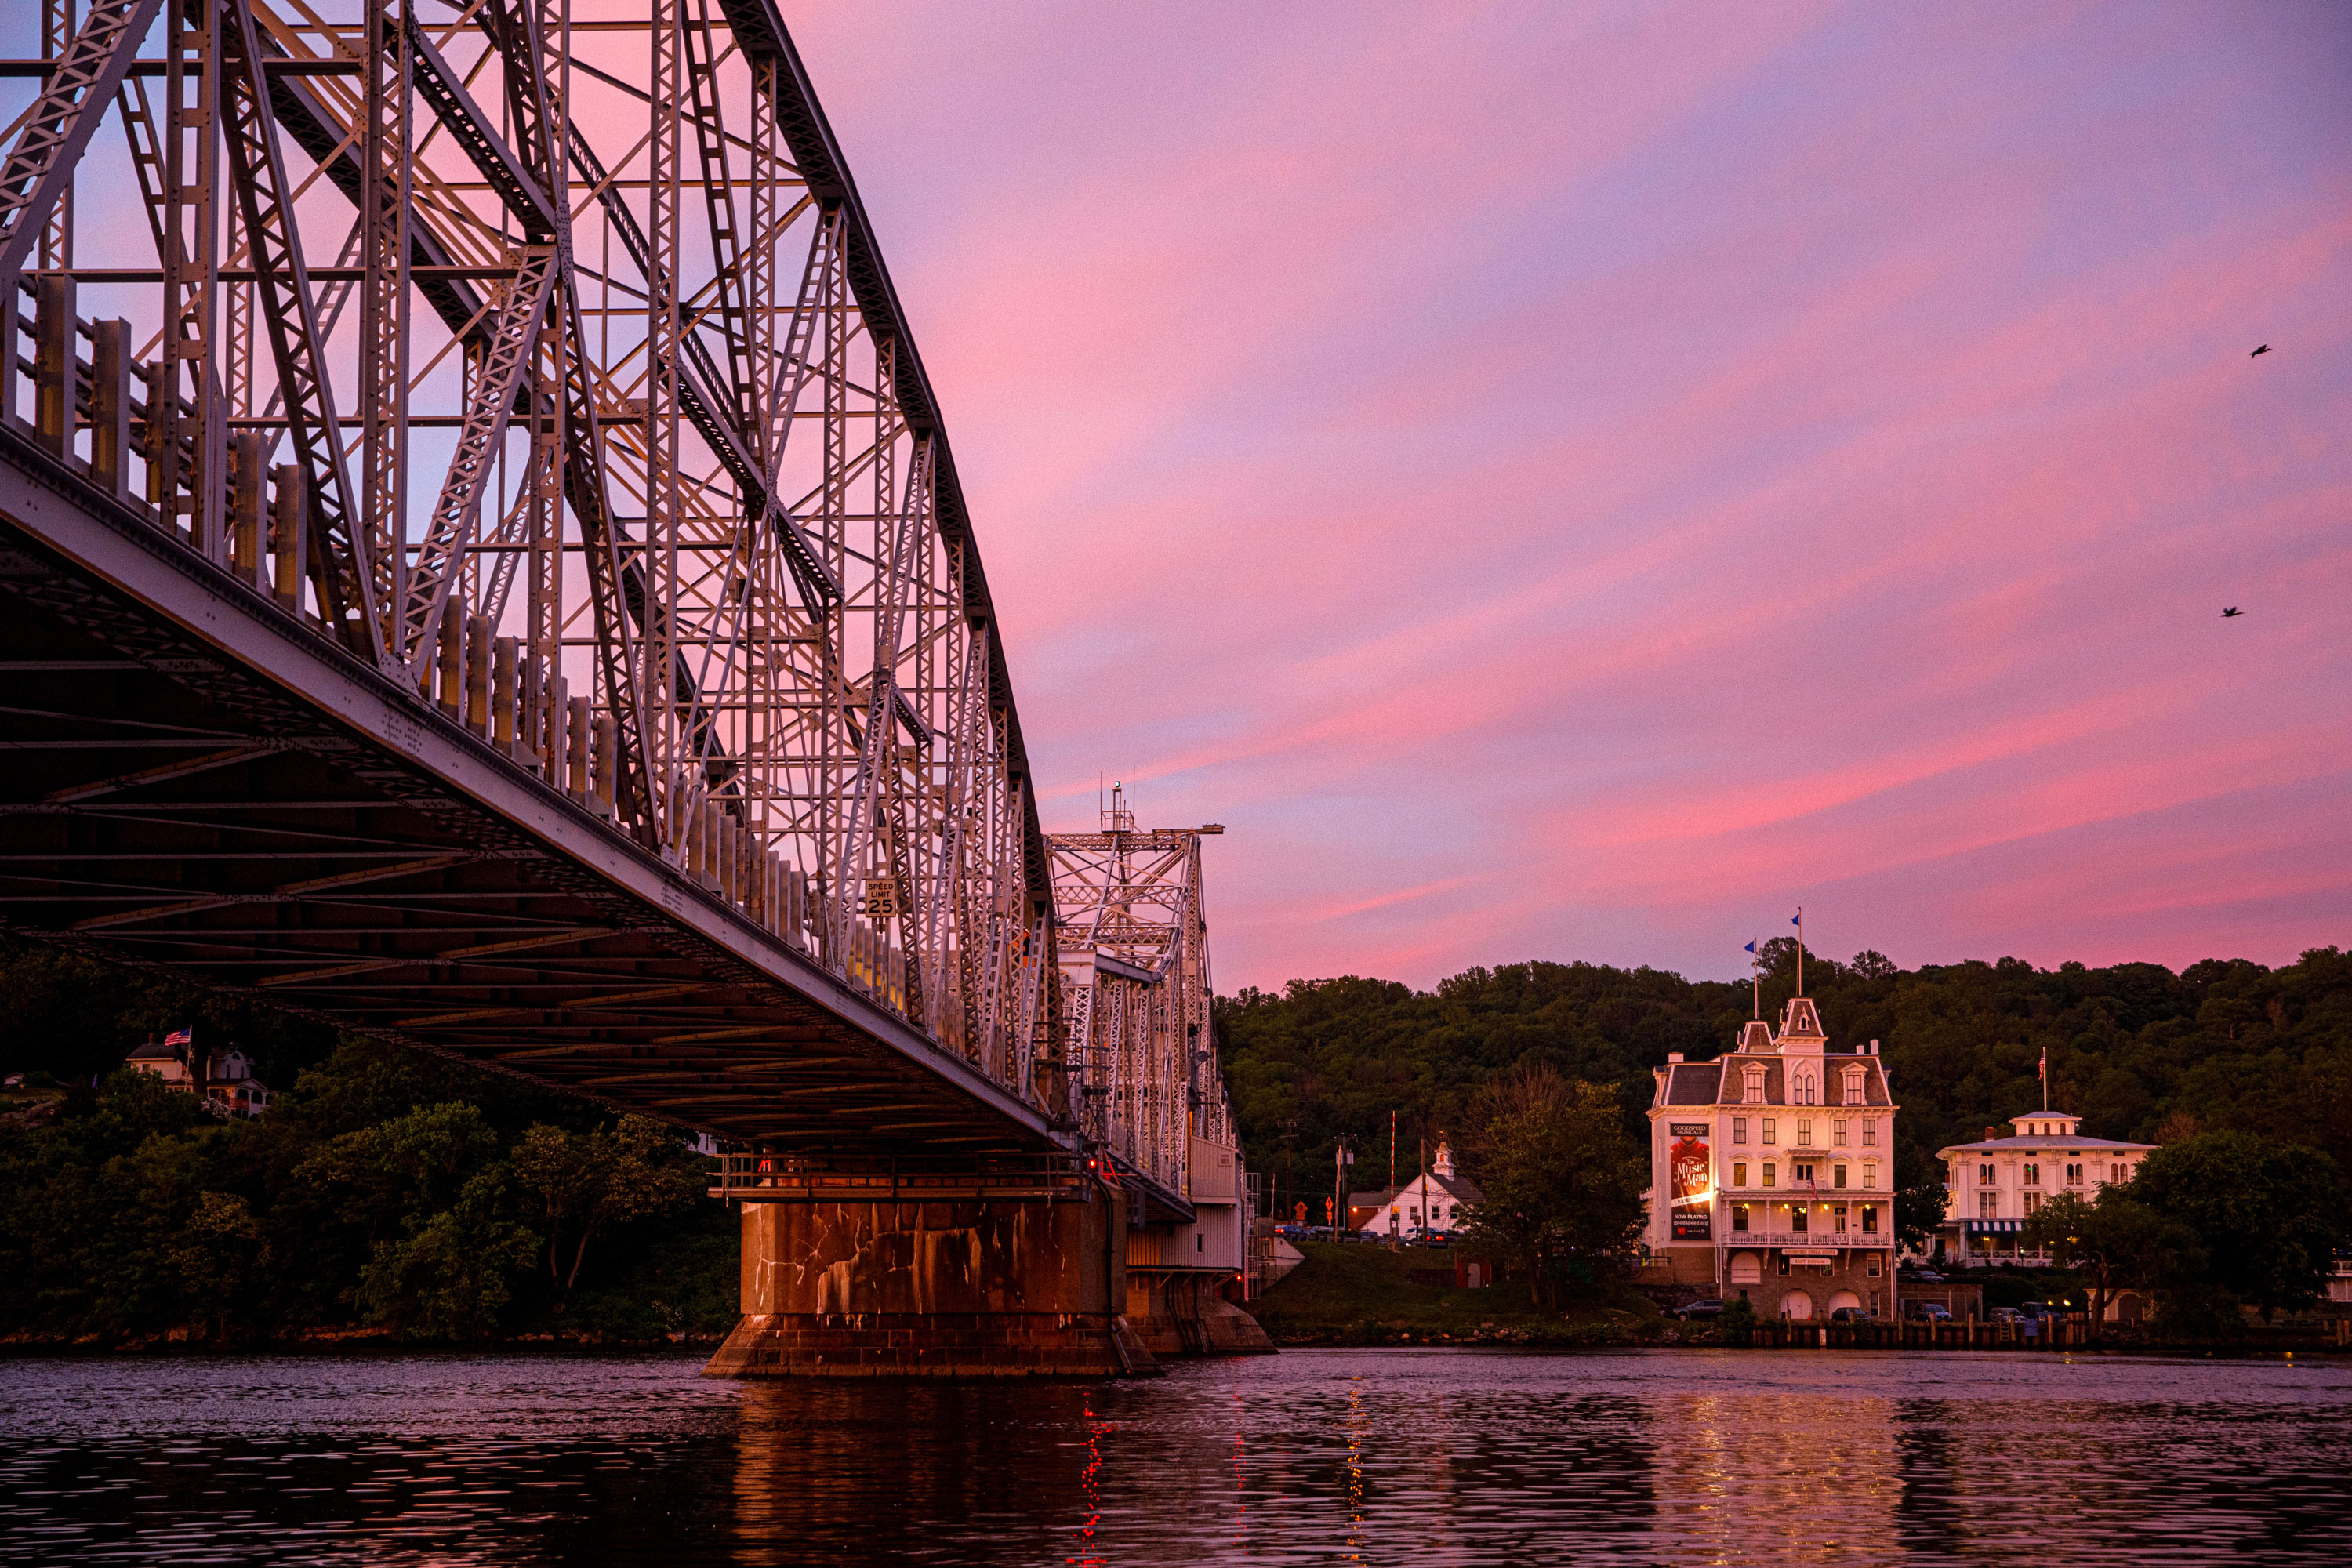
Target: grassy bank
(1349, 1295)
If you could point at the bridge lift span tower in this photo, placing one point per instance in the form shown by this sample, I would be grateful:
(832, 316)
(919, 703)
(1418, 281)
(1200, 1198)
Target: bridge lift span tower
(481, 565)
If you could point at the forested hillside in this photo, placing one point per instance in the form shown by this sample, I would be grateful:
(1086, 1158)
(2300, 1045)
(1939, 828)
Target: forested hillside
(384, 1191)
(2139, 1051)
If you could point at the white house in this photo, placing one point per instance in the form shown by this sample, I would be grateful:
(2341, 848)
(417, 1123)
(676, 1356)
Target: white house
(1436, 1200)
(230, 1089)
(1993, 1185)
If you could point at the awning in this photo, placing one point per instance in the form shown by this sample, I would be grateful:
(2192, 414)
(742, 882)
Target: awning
(1992, 1226)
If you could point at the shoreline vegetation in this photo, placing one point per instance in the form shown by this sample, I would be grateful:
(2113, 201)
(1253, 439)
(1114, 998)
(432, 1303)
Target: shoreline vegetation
(1350, 1296)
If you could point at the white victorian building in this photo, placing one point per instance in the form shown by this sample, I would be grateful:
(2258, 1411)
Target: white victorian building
(1992, 1186)
(1772, 1172)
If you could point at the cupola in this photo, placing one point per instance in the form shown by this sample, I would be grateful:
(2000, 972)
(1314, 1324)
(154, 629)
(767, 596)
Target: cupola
(2045, 1124)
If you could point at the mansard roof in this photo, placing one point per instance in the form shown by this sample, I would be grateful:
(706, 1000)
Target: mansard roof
(1694, 1083)
(1723, 1082)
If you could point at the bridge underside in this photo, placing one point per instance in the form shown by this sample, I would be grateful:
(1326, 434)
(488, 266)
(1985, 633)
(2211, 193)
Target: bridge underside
(196, 783)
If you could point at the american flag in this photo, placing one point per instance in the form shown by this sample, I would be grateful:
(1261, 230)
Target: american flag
(181, 1038)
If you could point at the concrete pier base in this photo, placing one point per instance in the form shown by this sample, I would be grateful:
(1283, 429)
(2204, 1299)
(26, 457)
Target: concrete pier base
(993, 1289)
(966, 1289)
(1184, 1312)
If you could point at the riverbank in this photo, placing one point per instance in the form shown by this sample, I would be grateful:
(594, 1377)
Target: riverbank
(1364, 1296)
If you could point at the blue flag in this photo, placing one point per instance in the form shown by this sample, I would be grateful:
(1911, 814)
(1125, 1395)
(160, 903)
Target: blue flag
(1751, 947)
(1796, 919)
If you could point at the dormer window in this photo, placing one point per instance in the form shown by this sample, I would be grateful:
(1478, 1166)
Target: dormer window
(1753, 1088)
(1853, 1086)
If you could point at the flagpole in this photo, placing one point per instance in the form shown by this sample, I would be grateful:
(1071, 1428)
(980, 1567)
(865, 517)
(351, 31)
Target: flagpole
(1800, 950)
(1756, 973)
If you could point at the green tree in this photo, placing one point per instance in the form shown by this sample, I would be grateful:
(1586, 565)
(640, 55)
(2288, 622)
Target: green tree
(2118, 1243)
(1737, 1323)
(449, 1277)
(1559, 1173)
(583, 1183)
(2271, 1215)
(220, 1255)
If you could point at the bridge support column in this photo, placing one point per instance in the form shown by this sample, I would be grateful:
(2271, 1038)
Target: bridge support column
(994, 1289)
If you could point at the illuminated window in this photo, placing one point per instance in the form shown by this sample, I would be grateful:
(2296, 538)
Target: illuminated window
(1768, 1132)
(1771, 1175)
(1739, 1130)
(1837, 1219)
(1799, 1218)
(1740, 1218)
(1739, 1172)
(1984, 1176)
(1870, 1134)
(1804, 1133)
(1837, 1175)
(1837, 1131)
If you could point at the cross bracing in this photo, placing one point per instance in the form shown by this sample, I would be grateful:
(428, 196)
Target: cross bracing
(494, 566)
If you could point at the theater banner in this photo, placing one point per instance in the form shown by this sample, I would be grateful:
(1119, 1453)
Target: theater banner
(1694, 1180)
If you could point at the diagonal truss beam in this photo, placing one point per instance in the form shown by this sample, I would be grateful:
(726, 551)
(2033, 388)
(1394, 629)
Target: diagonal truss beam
(341, 562)
(459, 507)
(41, 164)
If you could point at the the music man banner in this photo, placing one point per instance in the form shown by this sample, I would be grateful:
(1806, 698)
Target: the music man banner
(1694, 1180)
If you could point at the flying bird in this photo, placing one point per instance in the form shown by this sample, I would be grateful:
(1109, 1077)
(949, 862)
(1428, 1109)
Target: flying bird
(2229, 612)
(2259, 351)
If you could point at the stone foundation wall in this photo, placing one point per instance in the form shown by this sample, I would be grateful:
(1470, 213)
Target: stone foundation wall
(964, 1289)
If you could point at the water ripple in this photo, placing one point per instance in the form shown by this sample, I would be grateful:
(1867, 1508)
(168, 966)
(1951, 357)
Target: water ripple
(1426, 1458)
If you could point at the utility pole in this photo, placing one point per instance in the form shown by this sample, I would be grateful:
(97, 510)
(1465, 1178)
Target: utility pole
(1341, 1159)
(1289, 1141)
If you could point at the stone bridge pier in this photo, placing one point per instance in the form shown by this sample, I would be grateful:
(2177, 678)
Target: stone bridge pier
(964, 1288)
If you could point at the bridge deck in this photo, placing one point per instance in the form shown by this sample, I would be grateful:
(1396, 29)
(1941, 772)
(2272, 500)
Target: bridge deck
(198, 782)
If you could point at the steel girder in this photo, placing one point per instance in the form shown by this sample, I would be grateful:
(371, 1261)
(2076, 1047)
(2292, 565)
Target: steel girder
(771, 663)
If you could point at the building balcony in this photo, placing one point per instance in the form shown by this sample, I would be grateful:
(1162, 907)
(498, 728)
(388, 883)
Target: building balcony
(1811, 1240)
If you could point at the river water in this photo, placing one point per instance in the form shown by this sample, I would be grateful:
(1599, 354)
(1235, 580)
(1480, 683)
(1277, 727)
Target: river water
(1377, 1456)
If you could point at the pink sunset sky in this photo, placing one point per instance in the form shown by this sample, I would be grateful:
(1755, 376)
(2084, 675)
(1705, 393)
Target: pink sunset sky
(1578, 482)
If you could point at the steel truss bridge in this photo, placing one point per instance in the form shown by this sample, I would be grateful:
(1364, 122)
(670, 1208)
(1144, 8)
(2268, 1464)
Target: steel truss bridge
(481, 565)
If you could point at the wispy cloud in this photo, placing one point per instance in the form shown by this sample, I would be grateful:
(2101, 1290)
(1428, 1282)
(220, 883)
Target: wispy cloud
(1555, 480)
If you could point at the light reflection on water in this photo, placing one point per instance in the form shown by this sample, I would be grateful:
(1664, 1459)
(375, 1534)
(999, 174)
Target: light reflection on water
(1311, 1457)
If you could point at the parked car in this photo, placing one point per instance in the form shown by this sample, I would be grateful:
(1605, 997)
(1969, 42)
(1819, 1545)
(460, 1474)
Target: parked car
(1850, 1315)
(2034, 1312)
(1927, 1277)
(1928, 1312)
(2002, 1315)
(1695, 1311)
